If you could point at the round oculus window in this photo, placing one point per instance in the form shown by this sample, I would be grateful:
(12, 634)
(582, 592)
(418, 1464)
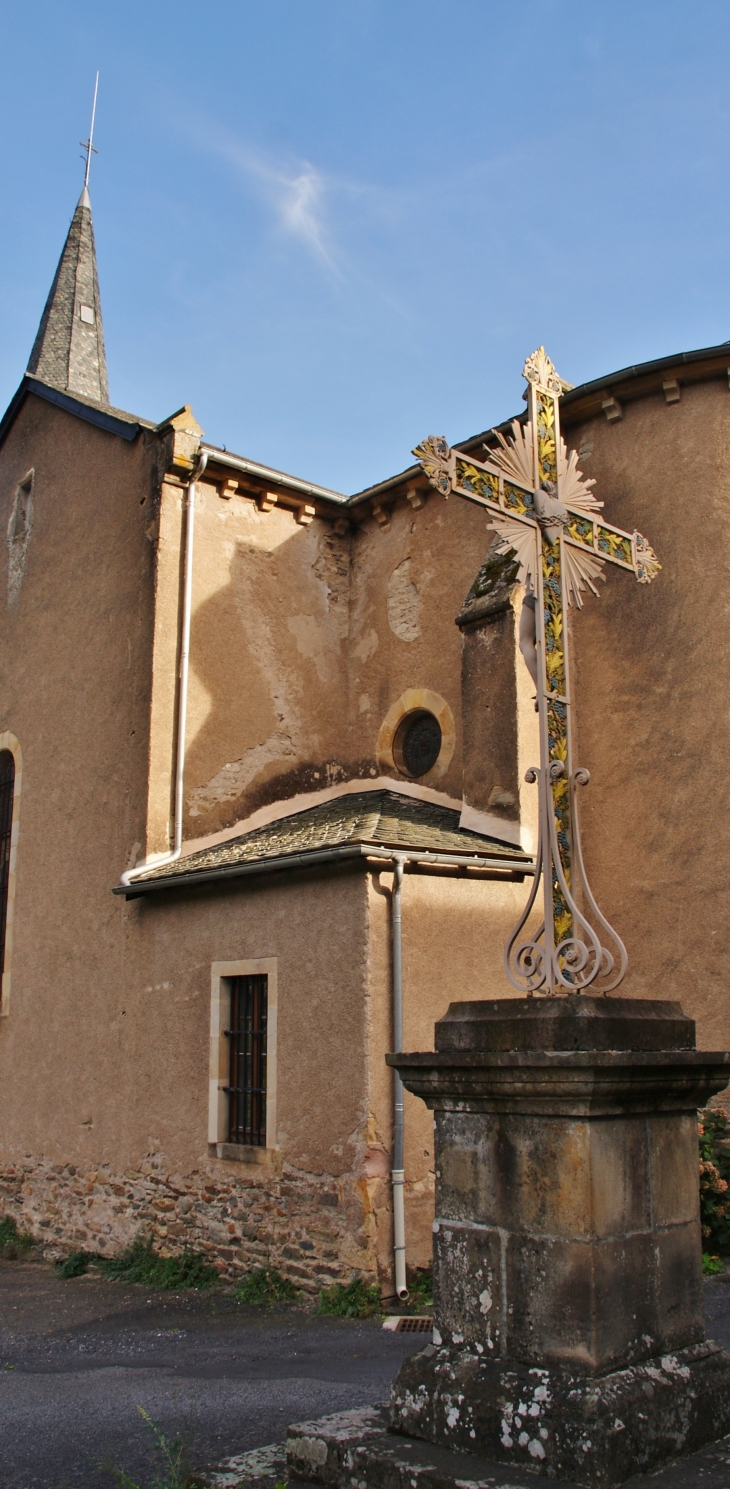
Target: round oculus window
(418, 743)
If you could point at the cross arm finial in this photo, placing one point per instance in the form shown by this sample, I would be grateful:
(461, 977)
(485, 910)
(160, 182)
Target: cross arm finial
(88, 146)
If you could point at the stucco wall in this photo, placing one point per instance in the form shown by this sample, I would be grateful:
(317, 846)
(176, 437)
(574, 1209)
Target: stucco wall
(303, 637)
(75, 649)
(454, 932)
(268, 692)
(119, 1131)
(409, 583)
(651, 691)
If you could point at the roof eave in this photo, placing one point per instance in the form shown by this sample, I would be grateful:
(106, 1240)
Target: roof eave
(645, 378)
(100, 417)
(582, 401)
(415, 473)
(269, 475)
(316, 857)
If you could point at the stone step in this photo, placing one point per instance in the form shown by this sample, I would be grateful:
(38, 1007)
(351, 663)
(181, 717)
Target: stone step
(355, 1450)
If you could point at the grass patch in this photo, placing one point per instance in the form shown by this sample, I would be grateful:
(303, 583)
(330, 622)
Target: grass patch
(175, 1470)
(74, 1265)
(265, 1285)
(141, 1263)
(356, 1299)
(420, 1288)
(13, 1242)
(712, 1266)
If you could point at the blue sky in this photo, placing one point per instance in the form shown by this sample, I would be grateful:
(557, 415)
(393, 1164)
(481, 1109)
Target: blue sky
(335, 226)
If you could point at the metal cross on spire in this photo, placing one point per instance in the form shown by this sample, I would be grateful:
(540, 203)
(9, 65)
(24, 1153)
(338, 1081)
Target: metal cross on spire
(545, 514)
(88, 145)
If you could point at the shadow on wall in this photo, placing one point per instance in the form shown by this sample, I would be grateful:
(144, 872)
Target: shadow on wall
(269, 666)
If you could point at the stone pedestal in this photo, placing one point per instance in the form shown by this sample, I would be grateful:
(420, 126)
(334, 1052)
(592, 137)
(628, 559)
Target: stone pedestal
(568, 1320)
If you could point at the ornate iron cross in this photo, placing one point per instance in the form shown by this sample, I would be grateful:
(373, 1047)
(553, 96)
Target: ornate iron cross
(545, 514)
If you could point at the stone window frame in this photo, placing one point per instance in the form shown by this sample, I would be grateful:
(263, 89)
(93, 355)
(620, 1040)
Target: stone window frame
(22, 502)
(9, 742)
(417, 700)
(220, 1004)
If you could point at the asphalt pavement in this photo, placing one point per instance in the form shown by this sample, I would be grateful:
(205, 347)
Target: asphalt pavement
(78, 1358)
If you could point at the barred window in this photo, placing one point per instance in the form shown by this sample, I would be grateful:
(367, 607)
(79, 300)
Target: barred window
(247, 1072)
(7, 785)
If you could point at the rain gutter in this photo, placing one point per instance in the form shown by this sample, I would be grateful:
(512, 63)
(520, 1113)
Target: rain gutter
(397, 1173)
(267, 473)
(720, 353)
(313, 857)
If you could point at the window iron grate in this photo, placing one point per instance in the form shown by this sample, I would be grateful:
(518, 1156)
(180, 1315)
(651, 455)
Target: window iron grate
(247, 1063)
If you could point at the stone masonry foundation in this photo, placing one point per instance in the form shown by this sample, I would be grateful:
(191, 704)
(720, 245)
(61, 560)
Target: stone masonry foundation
(314, 1229)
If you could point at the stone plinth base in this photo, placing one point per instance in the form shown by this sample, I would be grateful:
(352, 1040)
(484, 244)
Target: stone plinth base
(594, 1430)
(355, 1450)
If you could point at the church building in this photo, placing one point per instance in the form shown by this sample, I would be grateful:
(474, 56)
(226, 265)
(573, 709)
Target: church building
(263, 808)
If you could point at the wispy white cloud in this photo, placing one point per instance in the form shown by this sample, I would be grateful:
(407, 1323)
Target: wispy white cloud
(296, 192)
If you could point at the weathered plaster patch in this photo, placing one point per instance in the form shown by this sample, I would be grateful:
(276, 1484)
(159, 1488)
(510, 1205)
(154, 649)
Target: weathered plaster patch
(404, 603)
(307, 633)
(20, 527)
(332, 568)
(229, 782)
(364, 703)
(367, 647)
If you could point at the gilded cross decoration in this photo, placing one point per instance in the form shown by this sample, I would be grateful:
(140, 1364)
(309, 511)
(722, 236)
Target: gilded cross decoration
(544, 512)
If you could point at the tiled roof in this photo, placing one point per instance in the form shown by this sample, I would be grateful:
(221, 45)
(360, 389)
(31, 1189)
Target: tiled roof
(379, 819)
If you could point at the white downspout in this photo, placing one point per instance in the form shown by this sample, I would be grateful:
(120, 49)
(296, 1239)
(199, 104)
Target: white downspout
(182, 702)
(397, 1172)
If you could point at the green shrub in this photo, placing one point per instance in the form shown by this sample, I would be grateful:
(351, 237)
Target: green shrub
(74, 1265)
(13, 1242)
(141, 1263)
(714, 1141)
(356, 1299)
(267, 1286)
(711, 1265)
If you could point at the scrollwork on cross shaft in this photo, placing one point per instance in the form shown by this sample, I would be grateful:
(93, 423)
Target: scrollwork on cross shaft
(435, 456)
(647, 563)
(578, 961)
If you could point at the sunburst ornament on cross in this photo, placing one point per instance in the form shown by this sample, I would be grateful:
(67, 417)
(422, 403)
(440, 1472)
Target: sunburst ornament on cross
(544, 512)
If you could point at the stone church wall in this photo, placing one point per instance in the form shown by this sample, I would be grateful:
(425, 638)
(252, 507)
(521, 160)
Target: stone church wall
(299, 1223)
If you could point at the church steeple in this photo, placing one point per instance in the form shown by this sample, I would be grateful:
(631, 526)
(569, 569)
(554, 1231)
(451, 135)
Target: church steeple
(68, 351)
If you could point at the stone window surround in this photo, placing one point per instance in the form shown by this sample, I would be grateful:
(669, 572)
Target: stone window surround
(9, 742)
(220, 973)
(417, 700)
(22, 502)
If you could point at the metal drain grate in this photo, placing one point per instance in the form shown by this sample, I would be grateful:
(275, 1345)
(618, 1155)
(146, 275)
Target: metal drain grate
(409, 1324)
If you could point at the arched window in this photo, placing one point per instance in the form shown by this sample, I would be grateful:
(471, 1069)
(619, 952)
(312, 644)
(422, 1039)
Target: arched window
(7, 786)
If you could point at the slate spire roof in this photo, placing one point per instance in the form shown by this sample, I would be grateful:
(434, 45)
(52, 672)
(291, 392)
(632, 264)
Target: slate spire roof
(68, 352)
